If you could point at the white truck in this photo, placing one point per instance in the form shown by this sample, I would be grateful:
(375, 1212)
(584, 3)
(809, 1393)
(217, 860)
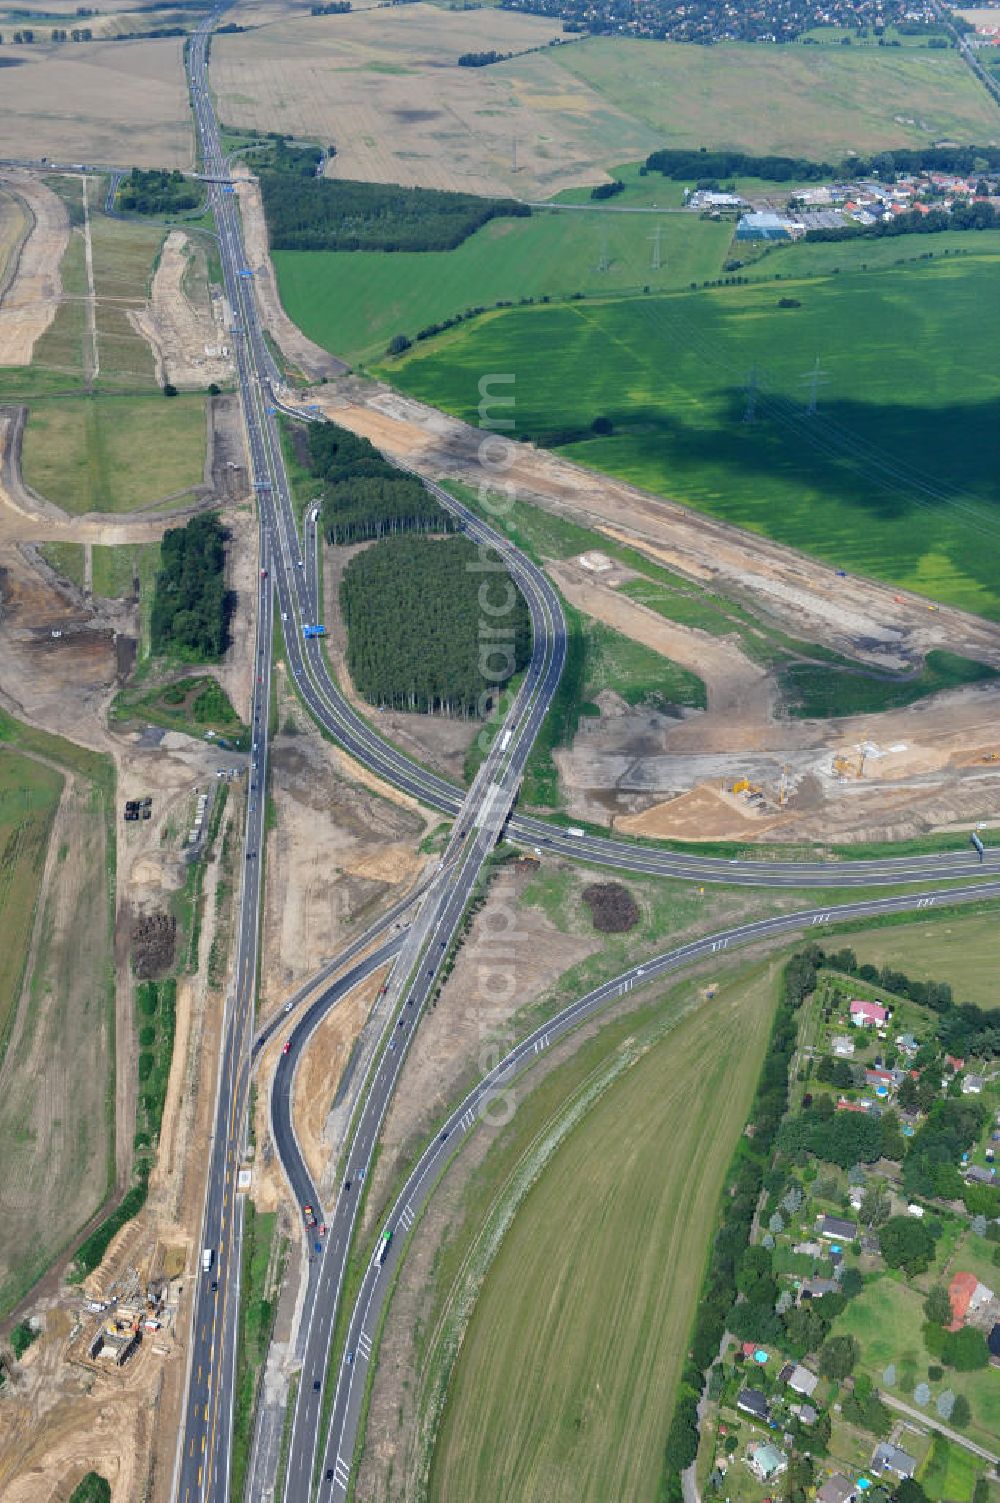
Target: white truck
(575, 830)
(206, 1260)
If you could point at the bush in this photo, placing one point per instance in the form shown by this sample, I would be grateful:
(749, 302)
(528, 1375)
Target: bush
(397, 344)
(838, 1356)
(937, 1305)
(965, 1350)
(906, 1243)
(169, 389)
(21, 1338)
(93, 1489)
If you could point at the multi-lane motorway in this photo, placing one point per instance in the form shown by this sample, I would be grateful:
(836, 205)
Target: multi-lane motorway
(288, 574)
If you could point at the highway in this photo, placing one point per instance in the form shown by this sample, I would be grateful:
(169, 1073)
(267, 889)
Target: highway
(206, 1438)
(204, 1451)
(481, 815)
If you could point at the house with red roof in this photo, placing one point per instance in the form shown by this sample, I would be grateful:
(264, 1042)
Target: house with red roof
(868, 1014)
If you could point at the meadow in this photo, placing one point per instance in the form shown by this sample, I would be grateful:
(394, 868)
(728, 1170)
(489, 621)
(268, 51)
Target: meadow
(352, 303)
(114, 454)
(956, 949)
(565, 1380)
(893, 476)
(886, 1320)
(29, 797)
(818, 102)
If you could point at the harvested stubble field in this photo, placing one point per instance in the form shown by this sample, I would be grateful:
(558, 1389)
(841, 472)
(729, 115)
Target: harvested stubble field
(892, 479)
(81, 452)
(353, 303)
(565, 1380)
(385, 86)
(123, 103)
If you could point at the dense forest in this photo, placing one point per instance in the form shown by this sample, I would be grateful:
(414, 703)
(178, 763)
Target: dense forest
(688, 165)
(363, 495)
(190, 603)
(310, 213)
(413, 615)
(157, 192)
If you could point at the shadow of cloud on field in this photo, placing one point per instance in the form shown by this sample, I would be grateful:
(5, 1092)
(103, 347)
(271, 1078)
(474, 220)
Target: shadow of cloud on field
(886, 460)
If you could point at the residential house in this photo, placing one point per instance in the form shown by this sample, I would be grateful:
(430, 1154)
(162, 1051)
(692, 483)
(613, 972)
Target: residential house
(800, 1380)
(972, 1085)
(889, 1458)
(960, 1291)
(809, 1249)
(816, 1288)
(805, 1413)
(836, 1229)
(843, 1046)
(980, 1176)
(837, 1489)
(766, 1461)
(751, 1401)
(868, 1014)
(907, 1044)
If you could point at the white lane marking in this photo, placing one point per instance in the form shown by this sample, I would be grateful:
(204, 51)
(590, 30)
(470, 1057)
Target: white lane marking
(364, 1346)
(821, 918)
(406, 1217)
(341, 1474)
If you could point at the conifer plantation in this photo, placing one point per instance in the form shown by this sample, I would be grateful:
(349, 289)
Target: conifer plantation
(412, 611)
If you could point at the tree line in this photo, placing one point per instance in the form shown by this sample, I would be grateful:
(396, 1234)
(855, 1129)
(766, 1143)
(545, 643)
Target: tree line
(310, 213)
(190, 614)
(363, 495)
(690, 164)
(482, 59)
(157, 192)
(412, 611)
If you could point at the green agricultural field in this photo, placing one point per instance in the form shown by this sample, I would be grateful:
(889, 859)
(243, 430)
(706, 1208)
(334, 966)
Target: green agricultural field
(29, 797)
(886, 1319)
(565, 1381)
(353, 302)
(805, 101)
(816, 258)
(956, 949)
(891, 478)
(114, 454)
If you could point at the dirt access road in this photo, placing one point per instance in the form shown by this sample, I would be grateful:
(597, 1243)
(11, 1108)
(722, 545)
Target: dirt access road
(856, 616)
(186, 334)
